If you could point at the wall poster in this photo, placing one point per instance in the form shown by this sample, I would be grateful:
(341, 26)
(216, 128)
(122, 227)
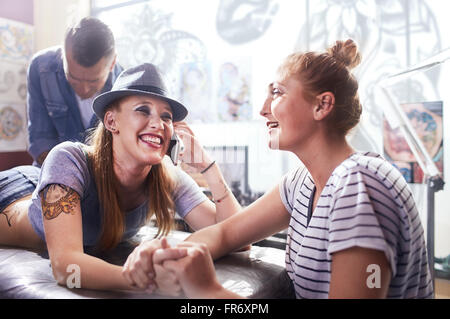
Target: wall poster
(16, 49)
(426, 119)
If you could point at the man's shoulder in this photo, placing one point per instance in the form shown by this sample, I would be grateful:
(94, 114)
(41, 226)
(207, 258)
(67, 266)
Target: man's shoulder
(47, 59)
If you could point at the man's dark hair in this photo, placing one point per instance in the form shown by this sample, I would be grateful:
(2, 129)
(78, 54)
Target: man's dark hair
(89, 41)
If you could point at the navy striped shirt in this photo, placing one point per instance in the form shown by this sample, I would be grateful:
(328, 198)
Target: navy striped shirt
(366, 203)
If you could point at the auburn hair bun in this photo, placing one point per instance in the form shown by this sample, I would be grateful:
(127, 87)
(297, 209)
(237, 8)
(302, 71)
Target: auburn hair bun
(346, 53)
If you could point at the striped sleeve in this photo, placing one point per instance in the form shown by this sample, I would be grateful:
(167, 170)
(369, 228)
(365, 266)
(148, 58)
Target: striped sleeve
(362, 216)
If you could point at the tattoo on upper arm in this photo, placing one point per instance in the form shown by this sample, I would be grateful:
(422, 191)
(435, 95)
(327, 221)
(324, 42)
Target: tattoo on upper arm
(57, 199)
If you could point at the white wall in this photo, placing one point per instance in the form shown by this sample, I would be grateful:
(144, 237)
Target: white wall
(52, 17)
(442, 198)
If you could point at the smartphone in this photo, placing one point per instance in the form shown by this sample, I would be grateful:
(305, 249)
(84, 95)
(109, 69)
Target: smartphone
(175, 147)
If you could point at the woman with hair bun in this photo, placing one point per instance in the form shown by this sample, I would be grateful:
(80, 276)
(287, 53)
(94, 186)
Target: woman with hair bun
(353, 227)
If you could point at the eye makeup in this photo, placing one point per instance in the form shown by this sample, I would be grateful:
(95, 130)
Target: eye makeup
(147, 109)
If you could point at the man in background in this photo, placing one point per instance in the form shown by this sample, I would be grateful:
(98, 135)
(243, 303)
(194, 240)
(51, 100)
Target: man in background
(62, 83)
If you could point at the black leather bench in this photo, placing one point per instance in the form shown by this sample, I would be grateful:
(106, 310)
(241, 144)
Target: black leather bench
(257, 273)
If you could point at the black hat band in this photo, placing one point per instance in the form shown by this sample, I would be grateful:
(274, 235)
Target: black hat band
(148, 88)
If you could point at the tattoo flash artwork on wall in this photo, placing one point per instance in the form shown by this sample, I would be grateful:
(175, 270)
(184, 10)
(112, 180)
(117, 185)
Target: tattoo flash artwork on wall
(242, 21)
(13, 135)
(145, 34)
(16, 40)
(212, 90)
(13, 81)
(391, 35)
(426, 119)
(234, 91)
(195, 90)
(16, 48)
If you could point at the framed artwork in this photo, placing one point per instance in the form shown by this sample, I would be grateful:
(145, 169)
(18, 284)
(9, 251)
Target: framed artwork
(13, 127)
(427, 120)
(13, 81)
(195, 92)
(234, 98)
(16, 40)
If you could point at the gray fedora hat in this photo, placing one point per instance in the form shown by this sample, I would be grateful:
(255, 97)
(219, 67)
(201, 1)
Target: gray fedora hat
(143, 79)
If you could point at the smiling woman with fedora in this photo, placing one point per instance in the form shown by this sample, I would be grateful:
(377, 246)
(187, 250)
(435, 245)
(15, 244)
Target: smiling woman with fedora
(89, 198)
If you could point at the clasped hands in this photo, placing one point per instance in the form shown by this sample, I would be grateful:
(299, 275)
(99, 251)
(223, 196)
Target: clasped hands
(154, 266)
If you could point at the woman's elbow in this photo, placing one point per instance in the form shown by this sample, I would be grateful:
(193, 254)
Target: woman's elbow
(65, 273)
(59, 274)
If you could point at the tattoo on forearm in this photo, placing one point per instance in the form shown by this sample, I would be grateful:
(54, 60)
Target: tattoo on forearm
(57, 199)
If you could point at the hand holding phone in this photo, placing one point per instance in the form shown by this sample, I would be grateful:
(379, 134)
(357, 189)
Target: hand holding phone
(193, 154)
(175, 148)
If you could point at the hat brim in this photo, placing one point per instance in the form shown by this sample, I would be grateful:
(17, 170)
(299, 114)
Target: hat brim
(101, 102)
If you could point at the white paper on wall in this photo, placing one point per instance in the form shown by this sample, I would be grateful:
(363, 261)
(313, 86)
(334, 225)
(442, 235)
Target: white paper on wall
(13, 81)
(16, 41)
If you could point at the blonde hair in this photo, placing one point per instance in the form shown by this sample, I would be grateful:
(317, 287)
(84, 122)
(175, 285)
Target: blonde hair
(329, 71)
(159, 187)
